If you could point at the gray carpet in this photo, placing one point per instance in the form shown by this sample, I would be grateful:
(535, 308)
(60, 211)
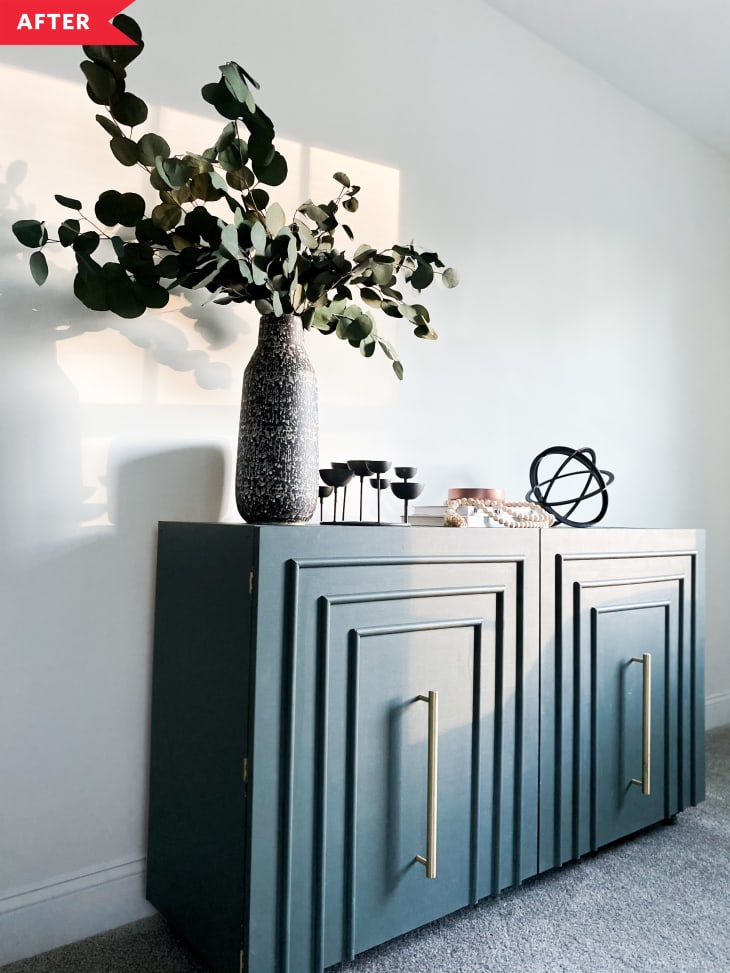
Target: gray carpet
(657, 902)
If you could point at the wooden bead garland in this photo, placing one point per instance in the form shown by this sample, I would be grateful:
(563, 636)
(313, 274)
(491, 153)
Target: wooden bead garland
(507, 513)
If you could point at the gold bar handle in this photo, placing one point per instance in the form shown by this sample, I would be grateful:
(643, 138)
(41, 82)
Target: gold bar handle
(431, 806)
(645, 782)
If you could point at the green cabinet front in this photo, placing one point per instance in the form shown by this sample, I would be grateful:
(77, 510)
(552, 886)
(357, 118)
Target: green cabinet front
(341, 713)
(622, 685)
(348, 632)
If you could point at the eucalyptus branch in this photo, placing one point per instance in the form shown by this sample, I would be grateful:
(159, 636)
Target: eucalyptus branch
(256, 257)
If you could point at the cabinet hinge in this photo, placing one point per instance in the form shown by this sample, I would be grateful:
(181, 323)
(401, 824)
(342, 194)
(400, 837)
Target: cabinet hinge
(250, 583)
(245, 770)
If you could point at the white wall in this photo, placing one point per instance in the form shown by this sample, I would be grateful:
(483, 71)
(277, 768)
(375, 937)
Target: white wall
(593, 242)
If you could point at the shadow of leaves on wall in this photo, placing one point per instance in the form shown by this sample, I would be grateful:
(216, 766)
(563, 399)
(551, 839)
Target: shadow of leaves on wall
(53, 311)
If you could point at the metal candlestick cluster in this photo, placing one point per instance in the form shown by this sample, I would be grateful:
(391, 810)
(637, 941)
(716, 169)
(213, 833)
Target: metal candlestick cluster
(338, 475)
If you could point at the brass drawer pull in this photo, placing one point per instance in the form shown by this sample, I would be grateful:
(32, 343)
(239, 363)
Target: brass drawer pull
(431, 805)
(645, 782)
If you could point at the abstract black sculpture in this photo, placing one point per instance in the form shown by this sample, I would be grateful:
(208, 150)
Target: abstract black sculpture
(596, 483)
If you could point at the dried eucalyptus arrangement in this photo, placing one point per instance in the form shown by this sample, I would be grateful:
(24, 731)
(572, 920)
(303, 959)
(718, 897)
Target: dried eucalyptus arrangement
(215, 226)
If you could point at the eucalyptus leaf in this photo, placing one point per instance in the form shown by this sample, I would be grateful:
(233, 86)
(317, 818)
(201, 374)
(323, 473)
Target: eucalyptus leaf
(258, 273)
(258, 197)
(31, 233)
(124, 150)
(39, 267)
(275, 218)
(86, 243)
(421, 276)
(174, 172)
(219, 95)
(342, 179)
(151, 295)
(90, 289)
(450, 277)
(68, 231)
(118, 245)
(201, 188)
(235, 79)
(241, 180)
(274, 173)
(150, 146)
(234, 156)
(229, 240)
(370, 297)
(68, 202)
(109, 126)
(368, 346)
(129, 27)
(128, 109)
(383, 274)
(364, 252)
(102, 84)
(261, 149)
(306, 236)
(131, 209)
(423, 331)
(124, 299)
(258, 237)
(166, 216)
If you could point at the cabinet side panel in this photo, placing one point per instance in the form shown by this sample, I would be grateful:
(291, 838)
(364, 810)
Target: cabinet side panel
(696, 689)
(197, 803)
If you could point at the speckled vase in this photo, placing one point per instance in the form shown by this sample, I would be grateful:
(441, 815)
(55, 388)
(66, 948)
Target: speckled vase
(278, 457)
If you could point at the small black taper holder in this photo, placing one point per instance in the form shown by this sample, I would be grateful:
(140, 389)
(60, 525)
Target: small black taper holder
(406, 490)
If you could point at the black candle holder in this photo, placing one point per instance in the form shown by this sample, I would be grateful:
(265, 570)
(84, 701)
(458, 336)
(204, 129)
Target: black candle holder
(325, 491)
(378, 467)
(335, 478)
(343, 466)
(360, 468)
(406, 491)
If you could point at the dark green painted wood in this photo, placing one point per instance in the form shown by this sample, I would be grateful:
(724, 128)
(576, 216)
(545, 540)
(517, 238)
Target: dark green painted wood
(608, 596)
(197, 853)
(312, 676)
(452, 610)
(329, 596)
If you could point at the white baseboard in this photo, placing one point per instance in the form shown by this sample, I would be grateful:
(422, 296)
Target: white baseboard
(74, 907)
(717, 710)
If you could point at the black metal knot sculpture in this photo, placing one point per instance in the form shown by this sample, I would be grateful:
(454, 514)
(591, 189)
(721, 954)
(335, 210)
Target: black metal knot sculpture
(596, 484)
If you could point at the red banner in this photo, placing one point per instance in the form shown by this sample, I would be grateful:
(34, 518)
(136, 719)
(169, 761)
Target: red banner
(61, 22)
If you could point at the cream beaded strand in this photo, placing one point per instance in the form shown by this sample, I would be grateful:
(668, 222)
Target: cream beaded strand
(508, 513)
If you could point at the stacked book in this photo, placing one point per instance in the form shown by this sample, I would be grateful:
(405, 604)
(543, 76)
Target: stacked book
(434, 516)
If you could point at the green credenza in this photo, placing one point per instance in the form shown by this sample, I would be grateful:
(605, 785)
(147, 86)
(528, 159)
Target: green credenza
(340, 712)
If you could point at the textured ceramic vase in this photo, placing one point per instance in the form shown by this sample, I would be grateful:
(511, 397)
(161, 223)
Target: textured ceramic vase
(278, 457)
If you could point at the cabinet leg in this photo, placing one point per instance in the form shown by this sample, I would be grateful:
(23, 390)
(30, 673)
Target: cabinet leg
(671, 820)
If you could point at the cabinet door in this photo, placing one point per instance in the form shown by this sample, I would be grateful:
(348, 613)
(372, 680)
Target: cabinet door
(609, 598)
(368, 630)
(634, 706)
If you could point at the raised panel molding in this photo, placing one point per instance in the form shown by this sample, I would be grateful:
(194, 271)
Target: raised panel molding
(335, 604)
(581, 590)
